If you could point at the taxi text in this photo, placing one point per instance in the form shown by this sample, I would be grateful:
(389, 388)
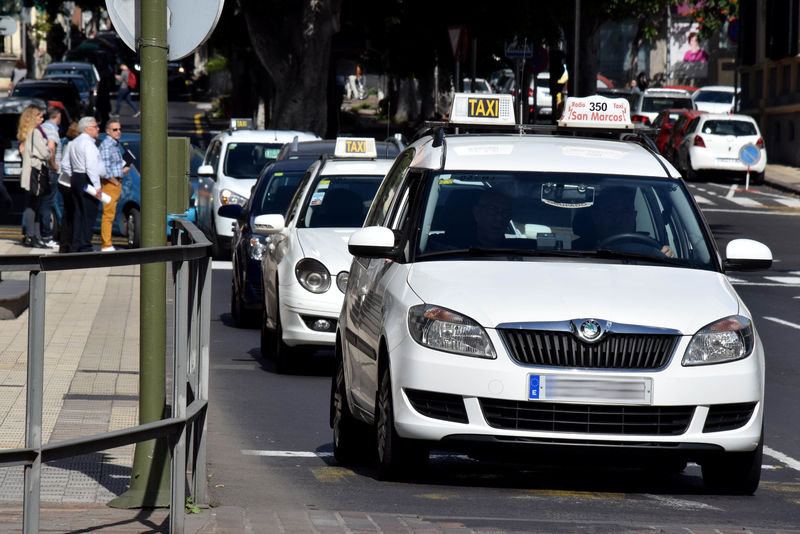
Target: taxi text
(483, 107)
(596, 112)
(356, 146)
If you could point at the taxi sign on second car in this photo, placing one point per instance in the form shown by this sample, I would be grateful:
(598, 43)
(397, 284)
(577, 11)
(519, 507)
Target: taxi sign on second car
(470, 108)
(355, 147)
(597, 112)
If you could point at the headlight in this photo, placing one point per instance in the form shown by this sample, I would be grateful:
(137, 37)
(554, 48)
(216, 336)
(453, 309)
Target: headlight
(312, 275)
(229, 197)
(446, 330)
(726, 340)
(341, 280)
(256, 248)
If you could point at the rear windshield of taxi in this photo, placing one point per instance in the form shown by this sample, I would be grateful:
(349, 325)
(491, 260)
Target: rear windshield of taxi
(245, 160)
(728, 127)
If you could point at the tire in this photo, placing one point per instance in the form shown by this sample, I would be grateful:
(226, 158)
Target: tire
(350, 436)
(757, 178)
(216, 245)
(734, 473)
(398, 458)
(133, 227)
(236, 306)
(267, 337)
(691, 174)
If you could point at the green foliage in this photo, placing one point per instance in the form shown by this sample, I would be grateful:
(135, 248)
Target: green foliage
(217, 63)
(712, 15)
(191, 508)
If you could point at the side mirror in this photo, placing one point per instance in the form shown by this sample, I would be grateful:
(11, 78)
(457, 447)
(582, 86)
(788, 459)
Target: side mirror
(205, 170)
(269, 224)
(232, 211)
(372, 242)
(747, 255)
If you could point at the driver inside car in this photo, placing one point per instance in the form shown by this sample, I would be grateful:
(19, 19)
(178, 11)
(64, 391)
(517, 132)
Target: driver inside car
(613, 214)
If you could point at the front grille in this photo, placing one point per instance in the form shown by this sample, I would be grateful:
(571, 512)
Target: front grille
(563, 349)
(587, 418)
(438, 405)
(728, 416)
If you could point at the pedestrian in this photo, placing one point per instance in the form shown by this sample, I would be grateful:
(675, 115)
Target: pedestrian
(35, 176)
(20, 73)
(65, 240)
(124, 92)
(82, 162)
(51, 128)
(641, 81)
(116, 169)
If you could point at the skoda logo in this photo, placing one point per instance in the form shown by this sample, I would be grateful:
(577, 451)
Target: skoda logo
(590, 330)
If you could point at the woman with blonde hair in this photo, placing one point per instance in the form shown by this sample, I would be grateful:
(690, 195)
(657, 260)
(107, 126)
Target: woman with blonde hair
(35, 178)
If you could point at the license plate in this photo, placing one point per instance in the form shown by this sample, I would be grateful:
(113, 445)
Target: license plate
(727, 160)
(13, 171)
(604, 390)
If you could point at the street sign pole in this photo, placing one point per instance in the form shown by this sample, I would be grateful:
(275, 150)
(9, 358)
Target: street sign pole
(150, 482)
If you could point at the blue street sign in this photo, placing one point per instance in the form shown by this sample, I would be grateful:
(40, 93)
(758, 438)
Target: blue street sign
(749, 154)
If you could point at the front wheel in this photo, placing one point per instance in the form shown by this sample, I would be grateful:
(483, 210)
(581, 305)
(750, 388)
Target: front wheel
(267, 336)
(734, 473)
(757, 178)
(349, 435)
(397, 457)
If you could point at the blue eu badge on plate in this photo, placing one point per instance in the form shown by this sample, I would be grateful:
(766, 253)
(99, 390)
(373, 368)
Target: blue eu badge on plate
(533, 387)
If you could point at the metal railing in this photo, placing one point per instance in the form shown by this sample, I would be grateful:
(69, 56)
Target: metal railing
(185, 430)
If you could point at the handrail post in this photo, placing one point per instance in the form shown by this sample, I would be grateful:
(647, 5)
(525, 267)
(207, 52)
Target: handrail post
(33, 413)
(181, 327)
(203, 288)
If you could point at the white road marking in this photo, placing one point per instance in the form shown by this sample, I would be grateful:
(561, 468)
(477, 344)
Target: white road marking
(702, 200)
(731, 191)
(789, 202)
(681, 504)
(218, 264)
(788, 460)
(746, 202)
(759, 284)
(784, 323)
(790, 280)
(287, 454)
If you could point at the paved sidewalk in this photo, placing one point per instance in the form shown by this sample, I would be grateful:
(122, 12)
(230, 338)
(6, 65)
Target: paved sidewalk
(91, 386)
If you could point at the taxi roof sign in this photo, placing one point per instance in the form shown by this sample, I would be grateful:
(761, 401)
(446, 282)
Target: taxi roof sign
(484, 109)
(597, 112)
(355, 147)
(239, 124)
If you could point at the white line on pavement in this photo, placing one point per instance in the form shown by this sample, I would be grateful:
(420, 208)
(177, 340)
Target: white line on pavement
(789, 202)
(752, 212)
(681, 504)
(702, 200)
(788, 280)
(781, 321)
(731, 191)
(217, 264)
(287, 454)
(788, 460)
(746, 202)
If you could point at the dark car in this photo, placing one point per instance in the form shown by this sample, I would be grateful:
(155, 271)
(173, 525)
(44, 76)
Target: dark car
(87, 70)
(87, 95)
(271, 194)
(63, 91)
(311, 150)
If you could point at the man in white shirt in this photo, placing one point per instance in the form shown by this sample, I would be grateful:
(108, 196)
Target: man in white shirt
(82, 161)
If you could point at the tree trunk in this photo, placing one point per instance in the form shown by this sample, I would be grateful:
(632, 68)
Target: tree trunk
(293, 42)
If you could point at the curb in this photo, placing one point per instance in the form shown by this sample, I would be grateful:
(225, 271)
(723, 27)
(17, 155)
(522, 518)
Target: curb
(13, 298)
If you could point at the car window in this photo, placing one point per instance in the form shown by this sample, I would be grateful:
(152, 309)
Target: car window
(278, 192)
(294, 204)
(729, 127)
(692, 126)
(340, 201)
(213, 154)
(540, 212)
(714, 97)
(385, 195)
(657, 103)
(245, 160)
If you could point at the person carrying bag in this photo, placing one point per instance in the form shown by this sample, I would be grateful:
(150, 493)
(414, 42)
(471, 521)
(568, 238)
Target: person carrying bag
(35, 176)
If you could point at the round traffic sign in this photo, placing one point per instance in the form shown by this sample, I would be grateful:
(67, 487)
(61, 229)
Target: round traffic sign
(8, 25)
(749, 154)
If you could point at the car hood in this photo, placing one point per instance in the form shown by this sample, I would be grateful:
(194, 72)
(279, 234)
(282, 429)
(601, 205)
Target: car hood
(496, 292)
(240, 186)
(328, 245)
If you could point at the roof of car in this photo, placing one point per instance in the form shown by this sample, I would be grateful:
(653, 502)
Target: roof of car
(17, 104)
(288, 165)
(727, 117)
(266, 136)
(314, 149)
(725, 88)
(357, 167)
(664, 91)
(45, 82)
(69, 64)
(542, 153)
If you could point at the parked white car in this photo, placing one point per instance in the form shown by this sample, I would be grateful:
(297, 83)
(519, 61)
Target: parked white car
(716, 99)
(714, 143)
(647, 104)
(305, 268)
(516, 296)
(232, 164)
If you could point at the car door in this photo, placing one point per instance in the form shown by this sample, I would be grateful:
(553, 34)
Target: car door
(365, 290)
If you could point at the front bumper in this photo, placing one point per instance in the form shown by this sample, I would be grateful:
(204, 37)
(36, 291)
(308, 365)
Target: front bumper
(481, 385)
(298, 307)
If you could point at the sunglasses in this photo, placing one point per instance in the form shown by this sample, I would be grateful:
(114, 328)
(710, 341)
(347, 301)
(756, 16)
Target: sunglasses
(115, 129)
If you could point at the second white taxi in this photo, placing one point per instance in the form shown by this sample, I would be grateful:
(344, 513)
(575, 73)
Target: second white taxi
(304, 271)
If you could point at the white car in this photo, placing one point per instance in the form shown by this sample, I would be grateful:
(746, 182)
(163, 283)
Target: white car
(231, 166)
(714, 143)
(647, 104)
(517, 295)
(476, 85)
(716, 99)
(305, 268)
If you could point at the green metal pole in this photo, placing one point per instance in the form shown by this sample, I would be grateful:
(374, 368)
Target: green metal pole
(150, 485)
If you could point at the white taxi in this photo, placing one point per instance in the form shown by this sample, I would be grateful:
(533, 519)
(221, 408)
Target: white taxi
(233, 161)
(535, 294)
(304, 271)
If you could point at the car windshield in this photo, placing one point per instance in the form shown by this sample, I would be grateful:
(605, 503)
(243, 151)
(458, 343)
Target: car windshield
(245, 160)
(340, 201)
(657, 103)
(561, 214)
(84, 73)
(728, 127)
(278, 192)
(714, 97)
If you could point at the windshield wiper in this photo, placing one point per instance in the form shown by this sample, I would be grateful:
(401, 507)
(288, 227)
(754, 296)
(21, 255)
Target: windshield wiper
(616, 254)
(478, 252)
